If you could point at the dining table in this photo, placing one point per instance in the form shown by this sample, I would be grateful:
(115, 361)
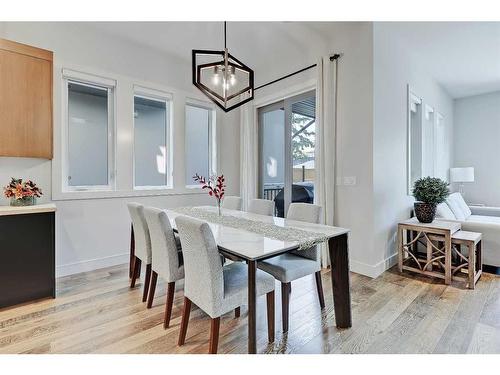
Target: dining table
(252, 247)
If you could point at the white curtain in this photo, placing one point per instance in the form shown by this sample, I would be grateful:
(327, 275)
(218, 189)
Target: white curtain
(249, 153)
(326, 125)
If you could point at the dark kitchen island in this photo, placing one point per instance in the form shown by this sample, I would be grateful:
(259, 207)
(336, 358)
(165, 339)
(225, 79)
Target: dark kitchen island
(27, 253)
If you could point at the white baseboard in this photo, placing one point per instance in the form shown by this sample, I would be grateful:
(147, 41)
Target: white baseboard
(92, 264)
(373, 270)
(114, 260)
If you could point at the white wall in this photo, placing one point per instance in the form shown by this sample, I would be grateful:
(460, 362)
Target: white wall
(477, 144)
(354, 205)
(374, 71)
(394, 67)
(371, 142)
(93, 233)
(354, 209)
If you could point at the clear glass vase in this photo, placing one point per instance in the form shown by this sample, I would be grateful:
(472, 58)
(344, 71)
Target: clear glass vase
(25, 201)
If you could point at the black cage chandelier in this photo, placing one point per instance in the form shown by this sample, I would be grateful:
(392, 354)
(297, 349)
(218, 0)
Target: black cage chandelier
(222, 77)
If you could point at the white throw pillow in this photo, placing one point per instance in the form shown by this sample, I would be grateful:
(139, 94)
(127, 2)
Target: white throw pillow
(463, 206)
(443, 212)
(455, 207)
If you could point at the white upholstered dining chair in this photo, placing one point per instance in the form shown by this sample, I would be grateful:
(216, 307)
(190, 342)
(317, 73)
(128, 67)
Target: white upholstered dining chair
(213, 288)
(166, 257)
(261, 207)
(142, 246)
(297, 264)
(232, 203)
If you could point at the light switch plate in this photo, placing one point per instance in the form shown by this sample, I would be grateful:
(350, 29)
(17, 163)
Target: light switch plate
(350, 180)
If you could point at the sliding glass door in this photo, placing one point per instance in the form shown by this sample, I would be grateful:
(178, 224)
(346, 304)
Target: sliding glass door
(286, 151)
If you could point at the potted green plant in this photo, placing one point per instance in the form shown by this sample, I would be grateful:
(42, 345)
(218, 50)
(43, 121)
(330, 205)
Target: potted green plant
(429, 192)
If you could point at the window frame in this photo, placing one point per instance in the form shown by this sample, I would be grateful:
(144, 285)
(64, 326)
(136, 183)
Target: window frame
(167, 98)
(212, 138)
(284, 104)
(412, 101)
(89, 80)
(439, 134)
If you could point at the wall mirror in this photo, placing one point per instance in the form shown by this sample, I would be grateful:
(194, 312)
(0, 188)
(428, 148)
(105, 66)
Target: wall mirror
(426, 140)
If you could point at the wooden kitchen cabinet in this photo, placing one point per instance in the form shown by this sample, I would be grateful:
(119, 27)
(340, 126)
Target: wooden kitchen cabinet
(25, 101)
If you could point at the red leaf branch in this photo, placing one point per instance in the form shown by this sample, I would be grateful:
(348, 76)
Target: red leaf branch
(215, 185)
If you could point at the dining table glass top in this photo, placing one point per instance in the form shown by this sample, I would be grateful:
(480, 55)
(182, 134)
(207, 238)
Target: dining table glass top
(254, 246)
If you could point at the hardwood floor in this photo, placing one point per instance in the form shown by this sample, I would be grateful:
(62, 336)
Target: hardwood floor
(97, 312)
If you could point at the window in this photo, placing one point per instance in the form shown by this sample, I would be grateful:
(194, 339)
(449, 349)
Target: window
(287, 139)
(112, 147)
(89, 132)
(427, 146)
(151, 139)
(199, 141)
(441, 151)
(415, 140)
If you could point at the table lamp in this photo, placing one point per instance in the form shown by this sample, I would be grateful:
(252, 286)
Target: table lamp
(462, 175)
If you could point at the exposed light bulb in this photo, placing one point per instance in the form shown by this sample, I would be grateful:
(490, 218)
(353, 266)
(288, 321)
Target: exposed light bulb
(232, 78)
(216, 77)
(225, 81)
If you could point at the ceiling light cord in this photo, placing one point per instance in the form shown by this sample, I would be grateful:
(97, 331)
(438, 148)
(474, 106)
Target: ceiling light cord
(225, 44)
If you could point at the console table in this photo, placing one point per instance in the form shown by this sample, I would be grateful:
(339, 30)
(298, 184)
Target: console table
(442, 257)
(474, 260)
(27, 253)
(408, 250)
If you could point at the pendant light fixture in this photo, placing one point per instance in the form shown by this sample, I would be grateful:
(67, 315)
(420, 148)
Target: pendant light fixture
(222, 77)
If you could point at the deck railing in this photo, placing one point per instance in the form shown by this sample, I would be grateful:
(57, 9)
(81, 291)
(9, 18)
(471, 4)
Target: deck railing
(271, 192)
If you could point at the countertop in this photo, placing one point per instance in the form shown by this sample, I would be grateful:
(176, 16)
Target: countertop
(38, 208)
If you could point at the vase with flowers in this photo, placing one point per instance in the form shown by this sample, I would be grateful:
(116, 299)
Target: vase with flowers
(22, 193)
(215, 186)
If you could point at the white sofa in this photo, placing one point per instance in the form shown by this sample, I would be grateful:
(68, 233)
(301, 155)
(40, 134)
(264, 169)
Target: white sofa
(485, 220)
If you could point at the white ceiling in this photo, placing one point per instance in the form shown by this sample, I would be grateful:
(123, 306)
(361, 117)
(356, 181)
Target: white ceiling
(270, 48)
(464, 57)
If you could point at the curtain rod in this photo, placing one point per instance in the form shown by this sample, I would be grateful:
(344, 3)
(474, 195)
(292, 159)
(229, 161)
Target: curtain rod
(333, 57)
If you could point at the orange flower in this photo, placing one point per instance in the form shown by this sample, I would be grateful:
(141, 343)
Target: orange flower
(19, 191)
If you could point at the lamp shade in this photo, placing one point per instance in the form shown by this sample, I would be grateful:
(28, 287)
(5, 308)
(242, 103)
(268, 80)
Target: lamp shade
(462, 174)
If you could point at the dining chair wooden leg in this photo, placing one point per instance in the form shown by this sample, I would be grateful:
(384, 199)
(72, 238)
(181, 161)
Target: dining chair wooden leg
(132, 252)
(319, 286)
(184, 321)
(147, 280)
(270, 316)
(152, 289)
(214, 335)
(169, 304)
(237, 312)
(285, 303)
(135, 274)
